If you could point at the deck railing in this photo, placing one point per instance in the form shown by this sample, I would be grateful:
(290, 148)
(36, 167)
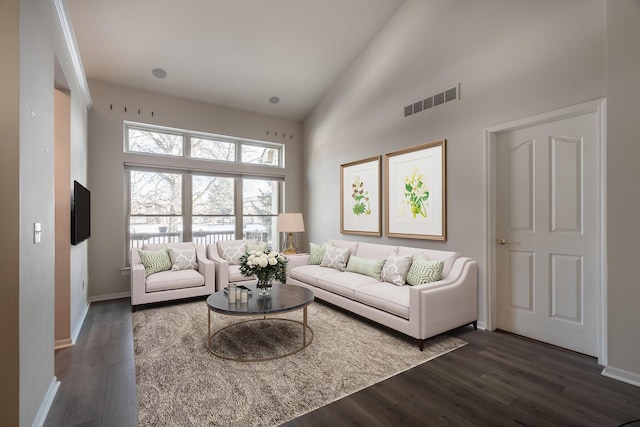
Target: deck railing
(199, 237)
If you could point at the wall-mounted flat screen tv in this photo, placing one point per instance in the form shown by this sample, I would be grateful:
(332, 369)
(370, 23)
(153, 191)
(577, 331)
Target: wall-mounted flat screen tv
(80, 214)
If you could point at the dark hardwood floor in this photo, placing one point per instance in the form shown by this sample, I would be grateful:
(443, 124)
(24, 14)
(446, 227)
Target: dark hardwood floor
(498, 379)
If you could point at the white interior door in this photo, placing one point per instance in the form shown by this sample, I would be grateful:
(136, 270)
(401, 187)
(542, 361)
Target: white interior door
(547, 226)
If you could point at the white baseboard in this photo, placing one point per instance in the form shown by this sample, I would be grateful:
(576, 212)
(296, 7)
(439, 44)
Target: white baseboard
(47, 401)
(482, 326)
(622, 375)
(108, 297)
(78, 326)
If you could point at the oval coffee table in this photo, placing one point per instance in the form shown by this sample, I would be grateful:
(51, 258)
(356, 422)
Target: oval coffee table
(282, 299)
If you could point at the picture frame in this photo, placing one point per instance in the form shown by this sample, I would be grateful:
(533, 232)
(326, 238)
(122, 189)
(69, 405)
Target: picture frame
(360, 197)
(416, 192)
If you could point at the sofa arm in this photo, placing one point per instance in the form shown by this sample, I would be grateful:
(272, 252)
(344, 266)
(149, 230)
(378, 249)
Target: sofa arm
(221, 266)
(207, 268)
(296, 260)
(445, 304)
(137, 278)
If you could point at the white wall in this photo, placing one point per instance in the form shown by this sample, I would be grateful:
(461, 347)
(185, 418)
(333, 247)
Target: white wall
(106, 159)
(33, 40)
(623, 193)
(513, 59)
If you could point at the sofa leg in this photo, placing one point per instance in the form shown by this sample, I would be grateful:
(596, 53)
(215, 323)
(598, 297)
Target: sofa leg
(475, 325)
(421, 345)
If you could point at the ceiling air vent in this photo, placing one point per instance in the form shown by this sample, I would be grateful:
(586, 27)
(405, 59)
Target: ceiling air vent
(452, 94)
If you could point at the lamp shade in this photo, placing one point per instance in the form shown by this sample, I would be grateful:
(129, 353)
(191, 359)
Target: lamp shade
(290, 223)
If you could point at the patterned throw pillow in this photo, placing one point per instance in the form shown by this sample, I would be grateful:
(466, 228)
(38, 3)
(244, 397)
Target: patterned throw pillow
(232, 253)
(367, 266)
(335, 258)
(183, 258)
(424, 271)
(316, 252)
(396, 268)
(260, 247)
(155, 261)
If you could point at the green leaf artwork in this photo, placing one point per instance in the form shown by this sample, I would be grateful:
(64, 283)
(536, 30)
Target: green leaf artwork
(416, 194)
(361, 203)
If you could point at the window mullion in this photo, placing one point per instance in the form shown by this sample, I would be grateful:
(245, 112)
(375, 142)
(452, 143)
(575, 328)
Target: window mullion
(238, 203)
(187, 208)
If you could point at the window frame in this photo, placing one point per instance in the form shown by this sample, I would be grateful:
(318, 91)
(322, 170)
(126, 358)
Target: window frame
(189, 167)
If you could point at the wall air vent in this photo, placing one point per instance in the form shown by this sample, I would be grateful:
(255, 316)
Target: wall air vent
(435, 100)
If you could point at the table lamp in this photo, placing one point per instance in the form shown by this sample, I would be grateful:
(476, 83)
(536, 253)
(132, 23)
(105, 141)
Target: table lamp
(290, 223)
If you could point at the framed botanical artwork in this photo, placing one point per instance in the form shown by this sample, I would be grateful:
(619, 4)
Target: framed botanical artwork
(416, 192)
(360, 202)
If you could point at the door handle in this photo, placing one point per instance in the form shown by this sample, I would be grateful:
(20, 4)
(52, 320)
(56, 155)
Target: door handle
(503, 241)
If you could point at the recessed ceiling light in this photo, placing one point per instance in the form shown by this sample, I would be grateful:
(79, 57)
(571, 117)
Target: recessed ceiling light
(274, 100)
(159, 73)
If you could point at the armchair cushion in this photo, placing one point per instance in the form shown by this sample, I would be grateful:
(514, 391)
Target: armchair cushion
(183, 258)
(155, 261)
(167, 280)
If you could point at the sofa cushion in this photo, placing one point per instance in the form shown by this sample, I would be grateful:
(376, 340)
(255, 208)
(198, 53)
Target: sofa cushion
(396, 268)
(424, 270)
(375, 250)
(344, 283)
(232, 250)
(309, 273)
(167, 280)
(386, 297)
(155, 261)
(316, 252)
(335, 258)
(183, 258)
(367, 266)
(447, 256)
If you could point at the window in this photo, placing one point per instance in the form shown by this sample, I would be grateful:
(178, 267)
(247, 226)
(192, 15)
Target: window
(203, 205)
(210, 149)
(150, 142)
(175, 143)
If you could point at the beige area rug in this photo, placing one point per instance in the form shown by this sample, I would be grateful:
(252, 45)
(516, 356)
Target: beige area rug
(181, 384)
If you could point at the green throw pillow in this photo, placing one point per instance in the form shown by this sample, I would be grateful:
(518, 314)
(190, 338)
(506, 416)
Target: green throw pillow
(366, 266)
(260, 247)
(316, 252)
(424, 271)
(155, 261)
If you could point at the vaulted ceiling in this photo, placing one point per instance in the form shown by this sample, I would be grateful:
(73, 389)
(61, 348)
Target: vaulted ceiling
(235, 53)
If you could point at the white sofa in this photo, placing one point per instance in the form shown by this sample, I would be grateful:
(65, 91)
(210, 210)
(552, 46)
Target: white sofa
(419, 311)
(170, 285)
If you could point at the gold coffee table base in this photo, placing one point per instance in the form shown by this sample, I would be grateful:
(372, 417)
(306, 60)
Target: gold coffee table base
(305, 344)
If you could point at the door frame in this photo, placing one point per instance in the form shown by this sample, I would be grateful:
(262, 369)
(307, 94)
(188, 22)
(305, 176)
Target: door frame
(597, 106)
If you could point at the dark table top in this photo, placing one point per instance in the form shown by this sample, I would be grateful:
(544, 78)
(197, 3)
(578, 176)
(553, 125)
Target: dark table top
(281, 299)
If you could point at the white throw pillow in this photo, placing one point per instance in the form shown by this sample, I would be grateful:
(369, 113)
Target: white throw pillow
(183, 258)
(335, 258)
(396, 268)
(232, 251)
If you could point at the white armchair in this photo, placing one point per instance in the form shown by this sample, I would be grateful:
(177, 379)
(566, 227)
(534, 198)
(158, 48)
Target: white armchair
(171, 284)
(224, 254)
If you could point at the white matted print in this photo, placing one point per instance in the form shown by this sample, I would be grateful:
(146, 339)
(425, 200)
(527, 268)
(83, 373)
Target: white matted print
(360, 202)
(416, 192)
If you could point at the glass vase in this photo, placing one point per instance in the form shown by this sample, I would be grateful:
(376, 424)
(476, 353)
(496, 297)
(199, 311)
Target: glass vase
(264, 287)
